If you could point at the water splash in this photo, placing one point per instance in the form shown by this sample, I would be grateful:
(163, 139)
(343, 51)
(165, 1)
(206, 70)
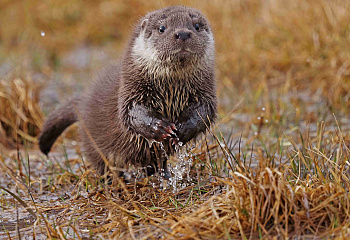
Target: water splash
(181, 169)
(180, 172)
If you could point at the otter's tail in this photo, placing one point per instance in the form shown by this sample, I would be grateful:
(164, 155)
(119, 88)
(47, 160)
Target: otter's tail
(56, 123)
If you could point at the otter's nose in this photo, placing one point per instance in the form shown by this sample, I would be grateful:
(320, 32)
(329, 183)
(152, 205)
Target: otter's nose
(183, 35)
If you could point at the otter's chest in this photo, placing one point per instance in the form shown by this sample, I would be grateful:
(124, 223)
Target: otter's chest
(170, 100)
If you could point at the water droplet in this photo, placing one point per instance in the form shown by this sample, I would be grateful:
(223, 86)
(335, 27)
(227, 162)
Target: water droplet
(266, 120)
(42, 33)
(263, 109)
(150, 142)
(255, 133)
(259, 118)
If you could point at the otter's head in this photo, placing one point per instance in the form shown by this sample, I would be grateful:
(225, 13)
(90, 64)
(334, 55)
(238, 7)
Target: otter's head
(173, 41)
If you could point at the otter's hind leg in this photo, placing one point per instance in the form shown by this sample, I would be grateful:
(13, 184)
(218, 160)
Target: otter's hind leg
(96, 160)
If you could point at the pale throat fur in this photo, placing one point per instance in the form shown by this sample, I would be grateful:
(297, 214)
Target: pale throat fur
(145, 55)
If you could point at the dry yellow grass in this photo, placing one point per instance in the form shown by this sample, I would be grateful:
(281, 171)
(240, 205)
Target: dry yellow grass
(20, 114)
(280, 170)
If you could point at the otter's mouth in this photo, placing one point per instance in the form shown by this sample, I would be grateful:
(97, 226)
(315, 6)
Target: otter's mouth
(186, 50)
(183, 53)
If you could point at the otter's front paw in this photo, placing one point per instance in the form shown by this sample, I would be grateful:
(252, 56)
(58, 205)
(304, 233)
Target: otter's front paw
(163, 129)
(186, 131)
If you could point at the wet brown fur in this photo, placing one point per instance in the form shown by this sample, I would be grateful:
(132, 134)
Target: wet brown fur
(103, 110)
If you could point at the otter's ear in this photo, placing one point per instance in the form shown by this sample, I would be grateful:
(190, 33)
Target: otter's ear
(144, 25)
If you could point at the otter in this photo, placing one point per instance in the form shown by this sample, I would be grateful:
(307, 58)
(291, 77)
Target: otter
(161, 94)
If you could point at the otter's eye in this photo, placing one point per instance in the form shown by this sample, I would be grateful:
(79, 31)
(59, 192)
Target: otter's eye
(197, 27)
(161, 29)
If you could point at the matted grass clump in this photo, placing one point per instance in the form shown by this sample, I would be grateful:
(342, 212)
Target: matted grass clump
(20, 114)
